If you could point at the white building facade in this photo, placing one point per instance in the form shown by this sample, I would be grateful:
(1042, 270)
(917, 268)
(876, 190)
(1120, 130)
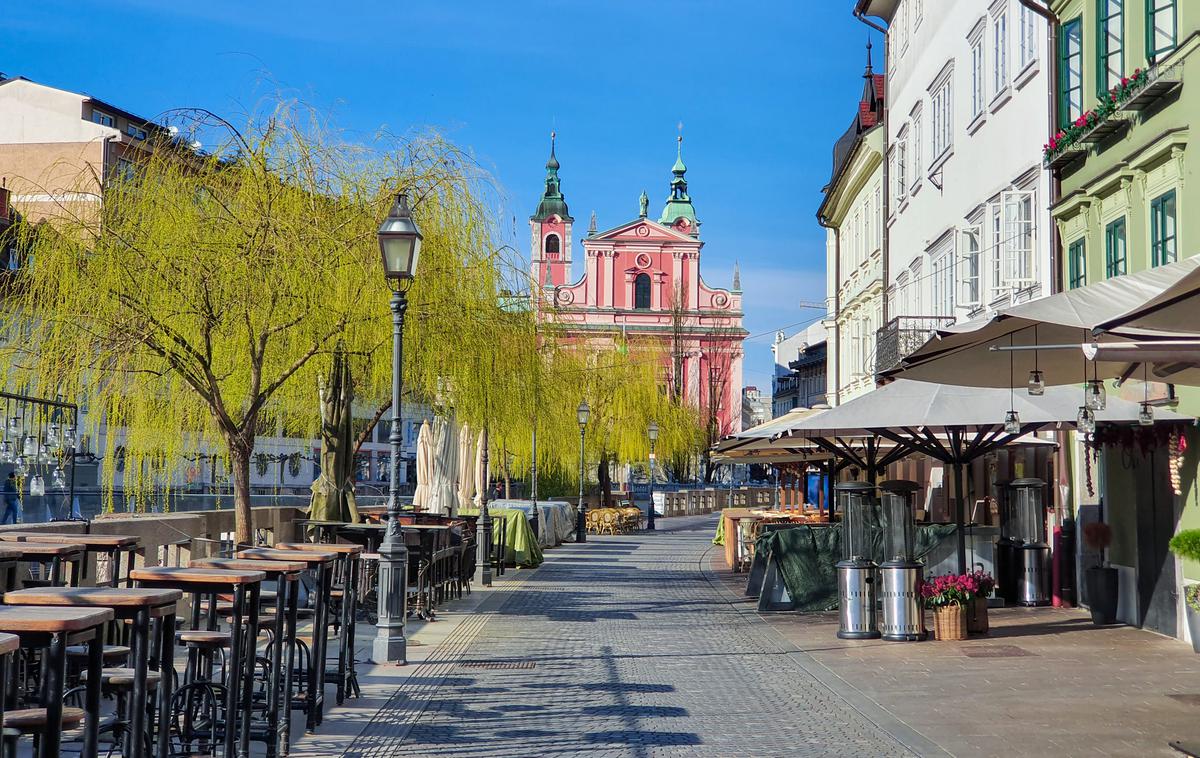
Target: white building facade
(968, 225)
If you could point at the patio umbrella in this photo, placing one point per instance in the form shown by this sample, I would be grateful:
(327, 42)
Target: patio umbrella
(424, 466)
(998, 350)
(955, 424)
(442, 495)
(481, 471)
(333, 491)
(466, 468)
(1175, 310)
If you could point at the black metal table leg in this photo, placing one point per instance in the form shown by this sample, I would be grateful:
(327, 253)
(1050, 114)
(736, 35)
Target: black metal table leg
(140, 641)
(234, 673)
(166, 669)
(320, 635)
(293, 603)
(273, 695)
(250, 654)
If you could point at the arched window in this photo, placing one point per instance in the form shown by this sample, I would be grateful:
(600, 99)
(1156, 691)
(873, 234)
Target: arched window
(552, 244)
(641, 291)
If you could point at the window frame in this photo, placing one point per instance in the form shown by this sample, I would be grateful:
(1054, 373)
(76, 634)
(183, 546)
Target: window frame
(103, 119)
(1019, 224)
(1065, 87)
(1114, 264)
(1158, 240)
(546, 244)
(1106, 79)
(637, 292)
(941, 117)
(978, 84)
(915, 142)
(1077, 263)
(1000, 52)
(972, 272)
(1028, 47)
(1152, 52)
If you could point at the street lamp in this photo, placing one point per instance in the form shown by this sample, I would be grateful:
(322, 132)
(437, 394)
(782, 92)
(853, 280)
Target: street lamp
(399, 245)
(581, 414)
(652, 433)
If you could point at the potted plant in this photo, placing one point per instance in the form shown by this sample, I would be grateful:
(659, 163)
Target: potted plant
(1101, 579)
(977, 609)
(948, 596)
(1186, 545)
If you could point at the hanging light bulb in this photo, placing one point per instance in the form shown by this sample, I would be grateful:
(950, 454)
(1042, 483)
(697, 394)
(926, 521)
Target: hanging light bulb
(1037, 384)
(14, 425)
(52, 438)
(6, 452)
(43, 455)
(1012, 423)
(37, 486)
(1085, 422)
(22, 466)
(70, 439)
(1146, 415)
(29, 447)
(59, 478)
(1094, 396)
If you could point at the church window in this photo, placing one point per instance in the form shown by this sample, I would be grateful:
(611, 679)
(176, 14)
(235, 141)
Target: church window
(641, 292)
(552, 245)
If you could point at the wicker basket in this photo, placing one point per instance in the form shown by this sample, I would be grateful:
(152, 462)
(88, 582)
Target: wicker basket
(950, 622)
(977, 616)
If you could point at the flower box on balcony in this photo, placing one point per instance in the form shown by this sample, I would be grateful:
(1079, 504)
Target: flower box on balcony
(1103, 121)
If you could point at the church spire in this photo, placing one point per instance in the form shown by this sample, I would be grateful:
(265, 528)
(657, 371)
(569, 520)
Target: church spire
(552, 203)
(869, 72)
(737, 277)
(678, 210)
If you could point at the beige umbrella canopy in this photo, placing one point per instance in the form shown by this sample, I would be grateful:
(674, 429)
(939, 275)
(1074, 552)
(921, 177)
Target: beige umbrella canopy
(443, 496)
(979, 353)
(481, 471)
(466, 468)
(424, 466)
(1174, 310)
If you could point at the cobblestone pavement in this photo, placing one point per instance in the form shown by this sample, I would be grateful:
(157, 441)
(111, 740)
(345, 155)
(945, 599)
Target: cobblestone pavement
(625, 647)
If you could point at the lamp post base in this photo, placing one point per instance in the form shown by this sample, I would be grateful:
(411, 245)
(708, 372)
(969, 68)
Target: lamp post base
(581, 527)
(389, 650)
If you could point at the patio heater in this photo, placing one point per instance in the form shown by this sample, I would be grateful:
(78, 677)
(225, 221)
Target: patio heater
(1031, 553)
(856, 570)
(900, 572)
(1006, 543)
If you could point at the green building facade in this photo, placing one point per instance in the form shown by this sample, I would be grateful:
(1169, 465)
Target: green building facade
(1126, 96)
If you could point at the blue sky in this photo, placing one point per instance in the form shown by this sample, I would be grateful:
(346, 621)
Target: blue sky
(762, 90)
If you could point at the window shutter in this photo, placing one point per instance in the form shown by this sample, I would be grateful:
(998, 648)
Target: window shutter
(970, 292)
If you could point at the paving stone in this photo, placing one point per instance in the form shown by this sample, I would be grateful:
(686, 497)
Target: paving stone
(634, 652)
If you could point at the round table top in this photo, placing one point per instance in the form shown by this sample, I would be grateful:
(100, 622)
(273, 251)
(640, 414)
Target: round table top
(103, 597)
(271, 568)
(34, 619)
(196, 575)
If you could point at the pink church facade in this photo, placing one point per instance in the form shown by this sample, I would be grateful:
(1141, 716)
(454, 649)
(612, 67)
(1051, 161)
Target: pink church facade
(641, 281)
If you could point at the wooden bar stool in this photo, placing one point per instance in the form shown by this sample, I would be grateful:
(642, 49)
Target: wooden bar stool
(348, 573)
(246, 585)
(140, 606)
(53, 629)
(286, 575)
(322, 563)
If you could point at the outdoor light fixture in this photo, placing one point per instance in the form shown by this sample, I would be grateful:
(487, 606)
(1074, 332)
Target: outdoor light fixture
(6, 452)
(399, 241)
(1146, 414)
(1037, 384)
(1012, 423)
(22, 466)
(52, 438)
(29, 448)
(14, 425)
(37, 486)
(1094, 396)
(399, 246)
(70, 439)
(581, 414)
(59, 478)
(1085, 422)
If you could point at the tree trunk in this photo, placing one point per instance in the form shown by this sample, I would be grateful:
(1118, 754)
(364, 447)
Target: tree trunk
(239, 465)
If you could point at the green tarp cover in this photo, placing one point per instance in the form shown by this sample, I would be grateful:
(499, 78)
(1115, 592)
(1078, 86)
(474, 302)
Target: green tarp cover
(511, 526)
(807, 558)
(719, 537)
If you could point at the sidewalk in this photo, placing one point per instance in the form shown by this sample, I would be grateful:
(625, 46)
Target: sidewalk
(1045, 682)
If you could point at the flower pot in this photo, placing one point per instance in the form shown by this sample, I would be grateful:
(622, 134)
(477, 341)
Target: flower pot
(950, 622)
(977, 616)
(1102, 594)
(1193, 622)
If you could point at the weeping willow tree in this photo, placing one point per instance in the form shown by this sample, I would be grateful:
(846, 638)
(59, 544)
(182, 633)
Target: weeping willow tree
(191, 300)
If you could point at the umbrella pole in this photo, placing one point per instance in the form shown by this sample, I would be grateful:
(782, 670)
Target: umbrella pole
(960, 516)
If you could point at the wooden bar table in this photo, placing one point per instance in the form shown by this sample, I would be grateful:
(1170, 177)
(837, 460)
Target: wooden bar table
(9, 644)
(348, 556)
(326, 531)
(10, 561)
(110, 545)
(140, 606)
(286, 575)
(54, 629)
(246, 586)
(322, 563)
(52, 554)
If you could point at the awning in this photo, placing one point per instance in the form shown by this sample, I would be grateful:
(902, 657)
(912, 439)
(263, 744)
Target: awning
(1176, 309)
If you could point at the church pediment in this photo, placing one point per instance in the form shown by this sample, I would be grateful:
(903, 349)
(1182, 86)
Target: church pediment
(642, 230)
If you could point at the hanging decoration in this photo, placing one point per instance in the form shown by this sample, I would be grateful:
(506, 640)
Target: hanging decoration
(1177, 447)
(1012, 420)
(1037, 383)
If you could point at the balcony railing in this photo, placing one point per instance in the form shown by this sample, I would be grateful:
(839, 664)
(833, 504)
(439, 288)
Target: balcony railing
(901, 336)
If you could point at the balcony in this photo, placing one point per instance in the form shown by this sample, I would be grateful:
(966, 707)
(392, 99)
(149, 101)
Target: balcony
(901, 336)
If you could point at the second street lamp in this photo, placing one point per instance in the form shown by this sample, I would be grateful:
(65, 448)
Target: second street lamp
(652, 433)
(400, 245)
(582, 414)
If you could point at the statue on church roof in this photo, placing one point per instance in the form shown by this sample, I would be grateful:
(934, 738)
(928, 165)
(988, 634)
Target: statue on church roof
(644, 205)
